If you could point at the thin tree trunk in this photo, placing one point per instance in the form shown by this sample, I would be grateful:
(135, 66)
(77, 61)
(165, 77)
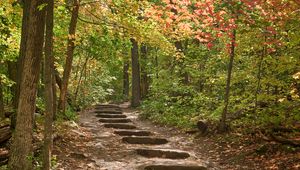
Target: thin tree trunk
(259, 75)
(80, 77)
(136, 89)
(78, 68)
(21, 148)
(12, 74)
(1, 101)
(126, 79)
(48, 78)
(223, 125)
(144, 75)
(156, 64)
(58, 80)
(69, 58)
(54, 92)
(85, 81)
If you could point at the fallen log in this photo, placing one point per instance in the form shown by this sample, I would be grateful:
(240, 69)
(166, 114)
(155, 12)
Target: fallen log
(285, 141)
(270, 136)
(284, 129)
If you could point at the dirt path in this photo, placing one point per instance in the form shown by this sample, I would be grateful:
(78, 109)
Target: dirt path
(126, 144)
(114, 138)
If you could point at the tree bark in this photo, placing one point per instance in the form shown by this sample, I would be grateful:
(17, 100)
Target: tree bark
(144, 75)
(69, 58)
(136, 89)
(58, 80)
(223, 126)
(54, 92)
(259, 74)
(2, 115)
(126, 79)
(80, 78)
(21, 148)
(48, 78)
(12, 74)
(156, 65)
(20, 61)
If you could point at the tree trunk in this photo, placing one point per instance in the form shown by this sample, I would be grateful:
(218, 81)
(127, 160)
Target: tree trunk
(12, 74)
(21, 148)
(144, 75)
(69, 58)
(80, 78)
(20, 61)
(58, 80)
(136, 89)
(48, 78)
(259, 75)
(156, 65)
(54, 92)
(126, 79)
(2, 115)
(223, 126)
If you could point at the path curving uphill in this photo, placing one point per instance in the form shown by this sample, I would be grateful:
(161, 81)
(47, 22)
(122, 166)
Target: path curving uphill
(120, 141)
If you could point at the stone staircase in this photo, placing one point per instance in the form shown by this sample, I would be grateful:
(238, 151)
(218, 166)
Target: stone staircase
(145, 143)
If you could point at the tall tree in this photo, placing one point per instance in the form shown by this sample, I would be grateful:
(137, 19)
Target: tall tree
(144, 74)
(83, 68)
(125, 79)
(1, 101)
(48, 78)
(21, 148)
(223, 126)
(136, 88)
(69, 58)
(20, 62)
(54, 92)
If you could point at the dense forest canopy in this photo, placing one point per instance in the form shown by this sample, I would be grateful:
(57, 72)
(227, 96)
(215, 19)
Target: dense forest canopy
(232, 63)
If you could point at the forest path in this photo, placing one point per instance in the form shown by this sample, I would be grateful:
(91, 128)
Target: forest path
(112, 137)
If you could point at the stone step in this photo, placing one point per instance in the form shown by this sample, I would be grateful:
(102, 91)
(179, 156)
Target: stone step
(116, 116)
(108, 108)
(114, 120)
(119, 126)
(108, 112)
(107, 105)
(162, 153)
(144, 140)
(132, 133)
(174, 167)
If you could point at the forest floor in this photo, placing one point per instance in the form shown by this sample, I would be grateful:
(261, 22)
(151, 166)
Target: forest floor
(89, 145)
